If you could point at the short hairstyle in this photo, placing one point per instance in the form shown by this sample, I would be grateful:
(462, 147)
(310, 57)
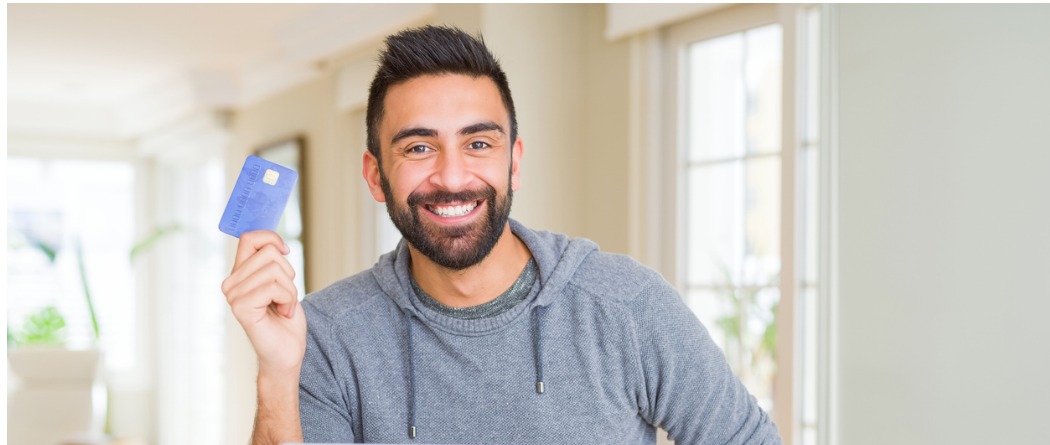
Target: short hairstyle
(432, 50)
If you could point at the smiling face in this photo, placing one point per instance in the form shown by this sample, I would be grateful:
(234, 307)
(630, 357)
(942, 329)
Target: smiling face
(448, 169)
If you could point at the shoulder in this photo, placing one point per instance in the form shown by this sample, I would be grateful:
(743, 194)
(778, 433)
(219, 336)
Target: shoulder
(345, 297)
(619, 278)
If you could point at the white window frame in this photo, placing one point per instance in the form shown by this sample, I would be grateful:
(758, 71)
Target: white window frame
(655, 176)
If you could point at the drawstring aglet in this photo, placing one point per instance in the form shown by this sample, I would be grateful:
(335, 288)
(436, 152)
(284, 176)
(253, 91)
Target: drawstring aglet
(412, 432)
(539, 387)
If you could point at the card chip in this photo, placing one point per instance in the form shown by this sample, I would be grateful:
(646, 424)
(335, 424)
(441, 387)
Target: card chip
(270, 177)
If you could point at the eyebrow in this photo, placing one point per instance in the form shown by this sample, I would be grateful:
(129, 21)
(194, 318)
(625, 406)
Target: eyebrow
(414, 131)
(430, 132)
(481, 127)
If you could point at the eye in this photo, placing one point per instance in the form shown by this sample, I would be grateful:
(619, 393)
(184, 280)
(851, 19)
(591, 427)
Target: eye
(417, 149)
(478, 145)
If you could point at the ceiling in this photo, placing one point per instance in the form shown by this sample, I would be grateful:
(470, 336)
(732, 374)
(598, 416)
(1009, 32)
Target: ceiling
(95, 69)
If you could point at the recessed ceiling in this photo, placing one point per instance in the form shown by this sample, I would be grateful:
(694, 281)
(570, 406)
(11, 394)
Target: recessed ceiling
(103, 53)
(90, 69)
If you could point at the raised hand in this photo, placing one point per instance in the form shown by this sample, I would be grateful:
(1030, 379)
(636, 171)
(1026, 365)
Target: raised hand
(264, 300)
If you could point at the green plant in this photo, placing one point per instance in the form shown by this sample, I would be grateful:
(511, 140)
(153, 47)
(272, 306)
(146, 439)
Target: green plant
(87, 290)
(44, 327)
(745, 307)
(47, 325)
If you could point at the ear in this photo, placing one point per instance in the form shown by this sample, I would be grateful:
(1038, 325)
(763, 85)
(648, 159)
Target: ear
(370, 170)
(515, 162)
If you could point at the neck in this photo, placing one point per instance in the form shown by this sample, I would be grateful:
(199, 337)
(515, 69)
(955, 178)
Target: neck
(477, 284)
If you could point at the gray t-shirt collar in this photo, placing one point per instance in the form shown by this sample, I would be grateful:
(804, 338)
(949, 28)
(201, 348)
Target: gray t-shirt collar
(518, 292)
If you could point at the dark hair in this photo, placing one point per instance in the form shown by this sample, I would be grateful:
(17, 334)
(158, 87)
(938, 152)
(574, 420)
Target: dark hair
(432, 50)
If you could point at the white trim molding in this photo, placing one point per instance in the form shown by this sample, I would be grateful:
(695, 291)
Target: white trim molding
(624, 19)
(828, 256)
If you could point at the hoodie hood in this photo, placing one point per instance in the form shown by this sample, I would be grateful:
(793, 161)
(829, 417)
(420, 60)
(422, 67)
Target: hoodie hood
(557, 257)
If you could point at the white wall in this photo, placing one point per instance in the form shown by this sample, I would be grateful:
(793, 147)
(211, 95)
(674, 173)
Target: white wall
(945, 223)
(540, 48)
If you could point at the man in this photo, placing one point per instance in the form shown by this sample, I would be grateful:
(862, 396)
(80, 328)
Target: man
(475, 329)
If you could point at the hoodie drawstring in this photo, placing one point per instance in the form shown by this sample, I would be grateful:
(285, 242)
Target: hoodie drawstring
(411, 380)
(537, 347)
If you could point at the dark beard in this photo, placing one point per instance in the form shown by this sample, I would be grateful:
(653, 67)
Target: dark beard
(454, 248)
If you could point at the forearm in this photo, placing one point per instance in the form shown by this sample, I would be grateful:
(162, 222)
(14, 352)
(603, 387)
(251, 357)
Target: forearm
(277, 416)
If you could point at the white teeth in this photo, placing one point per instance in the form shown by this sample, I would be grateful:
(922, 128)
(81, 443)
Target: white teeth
(451, 211)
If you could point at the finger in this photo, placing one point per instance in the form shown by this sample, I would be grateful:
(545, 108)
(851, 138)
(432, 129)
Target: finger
(270, 273)
(263, 257)
(255, 304)
(266, 255)
(252, 242)
(287, 310)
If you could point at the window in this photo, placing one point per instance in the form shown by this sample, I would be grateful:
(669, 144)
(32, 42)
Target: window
(71, 205)
(289, 153)
(809, 175)
(160, 314)
(741, 98)
(731, 188)
(192, 364)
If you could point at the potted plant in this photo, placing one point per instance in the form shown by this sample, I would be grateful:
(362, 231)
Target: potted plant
(61, 391)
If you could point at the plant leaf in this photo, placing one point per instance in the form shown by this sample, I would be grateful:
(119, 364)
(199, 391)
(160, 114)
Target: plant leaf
(151, 239)
(46, 326)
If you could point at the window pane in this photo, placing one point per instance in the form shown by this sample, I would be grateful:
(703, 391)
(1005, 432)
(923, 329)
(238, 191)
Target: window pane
(66, 203)
(715, 106)
(732, 197)
(734, 94)
(290, 226)
(808, 305)
(811, 64)
(759, 365)
(741, 321)
(808, 209)
(761, 255)
(762, 74)
(714, 229)
(733, 230)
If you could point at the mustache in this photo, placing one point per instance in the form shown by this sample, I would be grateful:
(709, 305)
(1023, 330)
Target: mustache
(439, 196)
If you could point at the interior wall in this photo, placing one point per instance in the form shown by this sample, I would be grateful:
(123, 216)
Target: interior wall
(540, 48)
(944, 223)
(308, 111)
(606, 116)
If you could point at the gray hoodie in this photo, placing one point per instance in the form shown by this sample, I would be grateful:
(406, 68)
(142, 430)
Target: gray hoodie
(602, 354)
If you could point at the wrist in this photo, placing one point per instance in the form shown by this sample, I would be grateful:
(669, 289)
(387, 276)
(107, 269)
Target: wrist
(277, 416)
(277, 382)
(278, 374)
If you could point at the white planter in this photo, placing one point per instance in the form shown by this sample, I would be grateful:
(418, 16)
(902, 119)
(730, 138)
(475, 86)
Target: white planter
(58, 394)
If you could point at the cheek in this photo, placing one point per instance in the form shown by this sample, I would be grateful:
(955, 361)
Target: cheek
(404, 181)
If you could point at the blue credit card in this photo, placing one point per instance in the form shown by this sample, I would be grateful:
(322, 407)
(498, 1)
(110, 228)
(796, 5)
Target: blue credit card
(258, 198)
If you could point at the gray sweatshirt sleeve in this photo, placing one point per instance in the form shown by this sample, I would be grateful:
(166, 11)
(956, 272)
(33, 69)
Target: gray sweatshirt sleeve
(689, 389)
(323, 410)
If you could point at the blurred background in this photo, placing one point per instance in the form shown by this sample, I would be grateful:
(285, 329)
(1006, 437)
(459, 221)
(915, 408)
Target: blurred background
(852, 198)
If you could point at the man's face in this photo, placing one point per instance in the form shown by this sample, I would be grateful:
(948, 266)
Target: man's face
(448, 166)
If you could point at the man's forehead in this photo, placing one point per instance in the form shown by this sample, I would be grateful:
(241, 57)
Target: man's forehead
(421, 88)
(446, 103)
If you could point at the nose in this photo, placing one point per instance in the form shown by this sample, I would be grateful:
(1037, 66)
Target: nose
(451, 172)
